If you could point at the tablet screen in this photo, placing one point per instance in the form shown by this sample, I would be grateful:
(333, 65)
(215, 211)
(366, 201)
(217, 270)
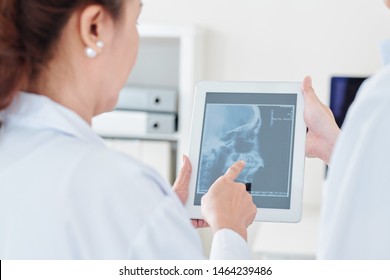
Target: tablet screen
(257, 128)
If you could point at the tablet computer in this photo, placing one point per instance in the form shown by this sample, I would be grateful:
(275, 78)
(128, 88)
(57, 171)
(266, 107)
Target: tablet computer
(261, 123)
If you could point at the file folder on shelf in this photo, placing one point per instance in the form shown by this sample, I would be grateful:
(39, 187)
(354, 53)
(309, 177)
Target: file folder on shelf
(147, 99)
(129, 123)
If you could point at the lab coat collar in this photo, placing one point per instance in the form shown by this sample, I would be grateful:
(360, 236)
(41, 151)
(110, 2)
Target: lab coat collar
(38, 111)
(385, 50)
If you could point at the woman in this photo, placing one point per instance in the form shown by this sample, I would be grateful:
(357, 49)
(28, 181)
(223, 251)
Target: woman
(63, 194)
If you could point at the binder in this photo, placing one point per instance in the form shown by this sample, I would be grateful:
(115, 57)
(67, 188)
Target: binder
(132, 123)
(147, 99)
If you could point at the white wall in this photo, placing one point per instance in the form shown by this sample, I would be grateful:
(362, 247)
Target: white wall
(284, 40)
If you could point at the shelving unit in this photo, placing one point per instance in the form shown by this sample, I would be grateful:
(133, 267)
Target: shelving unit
(170, 57)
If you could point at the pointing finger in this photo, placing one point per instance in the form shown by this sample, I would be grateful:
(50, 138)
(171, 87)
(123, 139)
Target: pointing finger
(234, 171)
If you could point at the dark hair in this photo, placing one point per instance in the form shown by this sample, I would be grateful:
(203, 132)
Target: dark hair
(29, 31)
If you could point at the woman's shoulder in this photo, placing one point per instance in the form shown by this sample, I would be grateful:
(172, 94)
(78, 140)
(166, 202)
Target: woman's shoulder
(108, 171)
(113, 200)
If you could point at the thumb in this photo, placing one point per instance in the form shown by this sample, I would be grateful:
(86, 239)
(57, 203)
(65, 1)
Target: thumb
(308, 90)
(307, 83)
(307, 87)
(182, 181)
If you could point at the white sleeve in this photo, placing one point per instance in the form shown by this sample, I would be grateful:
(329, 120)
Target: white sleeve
(229, 245)
(355, 220)
(167, 234)
(126, 211)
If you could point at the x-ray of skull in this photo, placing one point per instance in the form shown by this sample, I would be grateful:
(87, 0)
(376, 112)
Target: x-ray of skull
(257, 134)
(230, 140)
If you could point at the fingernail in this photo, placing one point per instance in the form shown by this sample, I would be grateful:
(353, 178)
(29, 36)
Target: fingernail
(309, 80)
(184, 158)
(243, 162)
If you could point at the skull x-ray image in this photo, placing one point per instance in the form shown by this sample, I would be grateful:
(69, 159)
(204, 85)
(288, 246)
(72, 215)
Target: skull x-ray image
(261, 135)
(231, 136)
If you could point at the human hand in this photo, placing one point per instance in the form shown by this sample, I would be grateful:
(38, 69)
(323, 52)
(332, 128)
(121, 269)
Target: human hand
(180, 187)
(227, 204)
(322, 127)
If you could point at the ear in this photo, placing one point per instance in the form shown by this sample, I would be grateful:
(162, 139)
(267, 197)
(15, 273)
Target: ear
(94, 21)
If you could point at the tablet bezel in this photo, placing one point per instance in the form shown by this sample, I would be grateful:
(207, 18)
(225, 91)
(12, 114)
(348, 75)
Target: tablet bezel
(263, 214)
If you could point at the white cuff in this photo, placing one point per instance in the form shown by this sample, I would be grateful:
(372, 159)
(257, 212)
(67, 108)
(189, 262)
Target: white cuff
(229, 245)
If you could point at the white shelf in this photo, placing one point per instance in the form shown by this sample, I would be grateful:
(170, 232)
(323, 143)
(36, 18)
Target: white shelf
(187, 39)
(157, 30)
(149, 137)
(170, 56)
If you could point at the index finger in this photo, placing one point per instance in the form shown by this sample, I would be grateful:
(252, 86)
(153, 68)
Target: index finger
(235, 170)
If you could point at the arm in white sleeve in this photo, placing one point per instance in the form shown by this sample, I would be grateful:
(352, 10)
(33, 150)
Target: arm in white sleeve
(229, 245)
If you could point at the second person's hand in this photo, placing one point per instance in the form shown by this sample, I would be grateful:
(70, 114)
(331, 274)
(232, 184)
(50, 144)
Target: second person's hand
(322, 128)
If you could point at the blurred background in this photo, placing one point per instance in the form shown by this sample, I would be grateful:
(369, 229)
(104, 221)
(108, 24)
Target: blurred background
(250, 40)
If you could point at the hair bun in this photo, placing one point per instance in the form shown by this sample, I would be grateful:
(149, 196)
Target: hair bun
(12, 59)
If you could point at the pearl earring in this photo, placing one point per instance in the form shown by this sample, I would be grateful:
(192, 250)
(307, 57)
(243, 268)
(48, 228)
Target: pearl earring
(90, 52)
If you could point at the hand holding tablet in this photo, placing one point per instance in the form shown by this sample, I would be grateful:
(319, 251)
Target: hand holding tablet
(260, 123)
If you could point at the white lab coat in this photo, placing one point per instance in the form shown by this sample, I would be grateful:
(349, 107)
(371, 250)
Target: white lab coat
(355, 220)
(64, 195)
